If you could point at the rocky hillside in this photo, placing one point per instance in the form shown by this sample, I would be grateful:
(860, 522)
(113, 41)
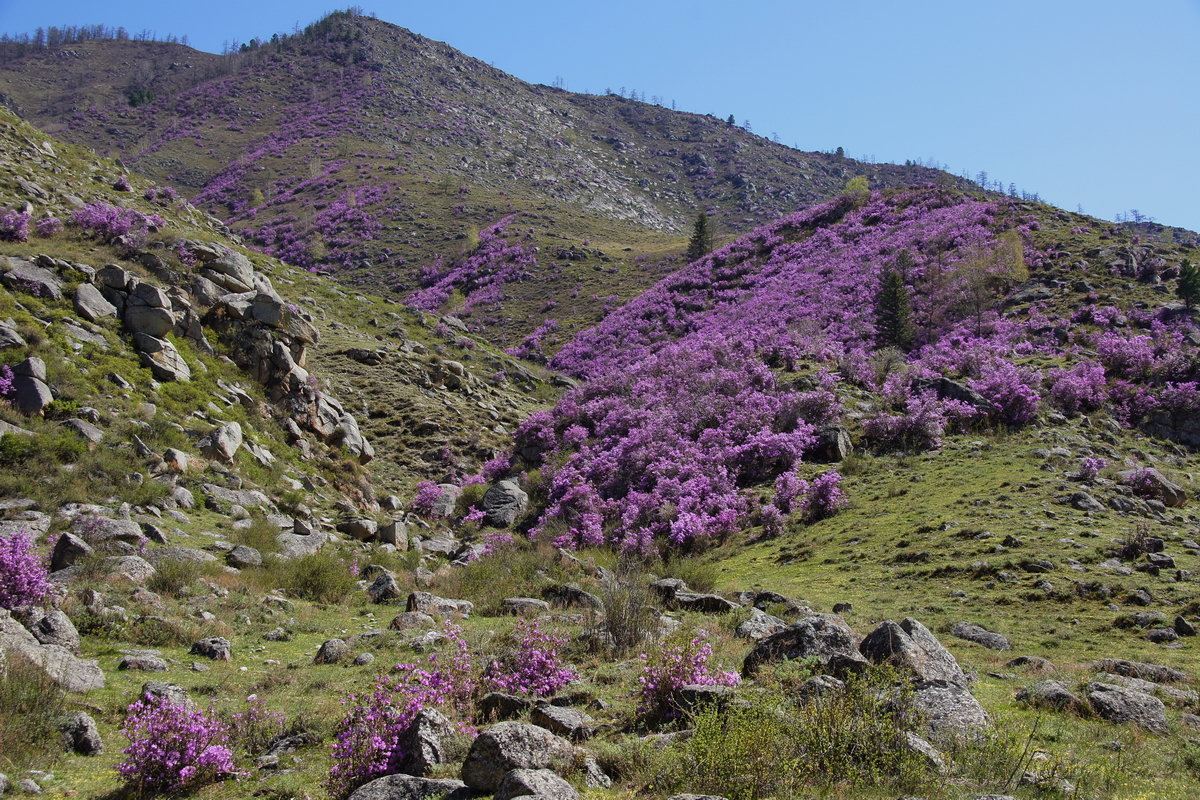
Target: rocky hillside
(362, 148)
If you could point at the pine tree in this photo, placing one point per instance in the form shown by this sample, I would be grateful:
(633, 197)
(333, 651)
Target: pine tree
(1189, 283)
(701, 243)
(893, 308)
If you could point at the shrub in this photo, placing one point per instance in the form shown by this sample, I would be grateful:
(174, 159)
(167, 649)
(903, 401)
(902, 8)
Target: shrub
(110, 223)
(321, 577)
(173, 577)
(255, 728)
(919, 428)
(369, 738)
(669, 668)
(48, 226)
(628, 604)
(823, 497)
(1011, 391)
(427, 494)
(1091, 468)
(6, 382)
(14, 226)
(24, 574)
(30, 707)
(173, 748)
(534, 667)
(1080, 388)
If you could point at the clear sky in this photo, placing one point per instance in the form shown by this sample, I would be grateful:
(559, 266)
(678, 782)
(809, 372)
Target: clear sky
(1090, 103)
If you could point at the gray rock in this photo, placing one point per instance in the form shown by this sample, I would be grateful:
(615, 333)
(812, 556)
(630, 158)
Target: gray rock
(232, 271)
(410, 620)
(1049, 694)
(508, 746)
(215, 647)
(1085, 502)
(1138, 669)
(947, 389)
(569, 723)
(498, 706)
(524, 606)
(425, 742)
(819, 687)
(912, 646)
(29, 786)
(223, 442)
(933, 759)
(162, 358)
(1168, 694)
(542, 783)
(68, 550)
(833, 446)
(348, 436)
(243, 557)
(1119, 704)
(410, 787)
(1032, 663)
(51, 626)
(974, 633)
(446, 503)
(364, 530)
(825, 638)
(701, 603)
(100, 532)
(91, 305)
(427, 603)
(291, 545)
(949, 711)
(22, 276)
(1167, 492)
(384, 589)
(1183, 627)
(80, 734)
(503, 503)
(167, 692)
(69, 672)
(148, 311)
(333, 651)
(142, 661)
(568, 595)
(759, 626)
(31, 395)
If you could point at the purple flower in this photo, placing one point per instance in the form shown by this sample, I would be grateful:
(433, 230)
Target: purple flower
(24, 576)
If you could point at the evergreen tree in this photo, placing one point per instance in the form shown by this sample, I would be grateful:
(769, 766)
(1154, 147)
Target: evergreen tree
(893, 307)
(1189, 283)
(701, 243)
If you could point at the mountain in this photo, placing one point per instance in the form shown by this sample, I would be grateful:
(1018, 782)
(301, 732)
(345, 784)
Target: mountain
(360, 147)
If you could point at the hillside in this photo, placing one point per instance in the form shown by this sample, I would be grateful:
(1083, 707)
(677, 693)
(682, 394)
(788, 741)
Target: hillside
(362, 148)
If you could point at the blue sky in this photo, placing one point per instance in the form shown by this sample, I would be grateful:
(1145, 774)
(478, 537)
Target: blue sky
(1093, 104)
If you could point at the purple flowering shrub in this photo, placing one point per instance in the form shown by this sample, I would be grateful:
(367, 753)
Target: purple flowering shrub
(48, 226)
(24, 573)
(6, 382)
(919, 427)
(534, 667)
(1081, 388)
(369, 739)
(427, 495)
(1090, 468)
(255, 727)
(14, 226)
(111, 223)
(173, 748)
(531, 346)
(1143, 483)
(670, 668)
(1011, 390)
(823, 497)
(481, 276)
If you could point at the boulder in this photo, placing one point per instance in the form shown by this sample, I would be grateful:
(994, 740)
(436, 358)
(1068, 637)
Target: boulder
(759, 626)
(69, 672)
(822, 637)
(384, 589)
(982, 636)
(162, 358)
(80, 734)
(143, 661)
(31, 394)
(1160, 488)
(22, 276)
(911, 645)
(503, 503)
(410, 620)
(85, 429)
(524, 606)
(541, 783)
(447, 501)
(67, 550)
(91, 305)
(833, 445)
(568, 595)
(433, 605)
(223, 442)
(215, 647)
(508, 746)
(333, 651)
(425, 742)
(410, 787)
(347, 435)
(701, 603)
(364, 530)
(243, 557)
(1137, 669)
(292, 545)
(148, 311)
(52, 626)
(1120, 704)
(949, 711)
(232, 271)
(1048, 694)
(569, 723)
(498, 706)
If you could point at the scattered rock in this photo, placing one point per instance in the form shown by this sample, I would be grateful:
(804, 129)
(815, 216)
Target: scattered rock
(503, 504)
(333, 651)
(566, 722)
(433, 605)
(912, 646)
(949, 711)
(974, 633)
(1119, 704)
(215, 647)
(1049, 694)
(508, 746)
(410, 787)
(243, 557)
(541, 783)
(825, 638)
(384, 589)
(80, 734)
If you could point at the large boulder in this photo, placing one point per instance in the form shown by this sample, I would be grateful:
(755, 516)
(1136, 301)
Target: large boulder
(232, 271)
(425, 742)
(1048, 694)
(1120, 704)
(31, 393)
(540, 783)
(410, 787)
(1137, 669)
(503, 503)
(215, 647)
(949, 711)
(80, 734)
(22, 276)
(223, 442)
(148, 311)
(67, 550)
(822, 637)
(347, 435)
(570, 723)
(91, 305)
(162, 358)
(1158, 486)
(69, 672)
(508, 746)
(433, 605)
(910, 645)
(50, 626)
(979, 635)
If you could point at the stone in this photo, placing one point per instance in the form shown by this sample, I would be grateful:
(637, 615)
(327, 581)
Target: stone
(168, 692)
(568, 595)
(223, 442)
(540, 783)
(384, 589)
(364, 530)
(148, 311)
(818, 687)
(243, 556)
(503, 503)
(833, 445)
(1137, 669)
(30, 395)
(1160, 488)
(1032, 663)
(524, 606)
(395, 533)
(80, 734)
(1120, 704)
(1049, 694)
(433, 605)
(215, 647)
(162, 358)
(1085, 502)
(22, 276)
(67, 550)
(71, 673)
(143, 661)
(498, 706)
(100, 532)
(933, 759)
(91, 305)
(348, 436)
(759, 626)
(232, 271)
(512, 745)
(411, 787)
(910, 645)
(447, 501)
(701, 603)
(291, 545)
(949, 711)
(1183, 627)
(824, 638)
(364, 659)
(982, 636)
(333, 651)
(569, 723)
(425, 743)
(52, 626)
(410, 620)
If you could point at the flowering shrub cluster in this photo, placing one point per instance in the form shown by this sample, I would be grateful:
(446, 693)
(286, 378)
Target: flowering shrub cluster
(111, 223)
(24, 577)
(817, 499)
(256, 727)
(173, 748)
(1090, 468)
(48, 226)
(670, 668)
(428, 493)
(531, 346)
(1011, 391)
(14, 226)
(6, 382)
(534, 668)
(1144, 483)
(1080, 388)
(369, 740)
(481, 276)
